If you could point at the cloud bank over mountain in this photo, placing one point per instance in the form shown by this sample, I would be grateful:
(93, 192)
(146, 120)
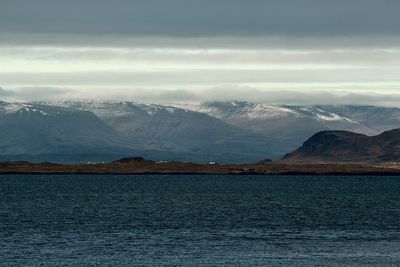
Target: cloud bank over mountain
(222, 93)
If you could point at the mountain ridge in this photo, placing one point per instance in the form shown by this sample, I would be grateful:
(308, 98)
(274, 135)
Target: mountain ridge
(230, 132)
(183, 131)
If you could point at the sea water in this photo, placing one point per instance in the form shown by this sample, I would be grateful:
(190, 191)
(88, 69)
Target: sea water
(186, 220)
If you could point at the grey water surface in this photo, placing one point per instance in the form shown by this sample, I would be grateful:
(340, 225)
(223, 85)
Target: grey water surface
(153, 220)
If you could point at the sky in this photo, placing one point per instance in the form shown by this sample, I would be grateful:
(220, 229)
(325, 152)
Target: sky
(272, 51)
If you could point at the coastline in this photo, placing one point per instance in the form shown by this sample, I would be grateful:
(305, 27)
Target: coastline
(138, 166)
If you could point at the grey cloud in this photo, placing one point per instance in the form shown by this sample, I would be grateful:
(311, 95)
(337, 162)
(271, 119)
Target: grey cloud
(5, 93)
(37, 93)
(206, 78)
(288, 97)
(202, 18)
(24, 40)
(179, 95)
(225, 93)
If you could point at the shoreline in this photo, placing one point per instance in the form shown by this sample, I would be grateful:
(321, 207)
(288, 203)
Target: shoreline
(139, 166)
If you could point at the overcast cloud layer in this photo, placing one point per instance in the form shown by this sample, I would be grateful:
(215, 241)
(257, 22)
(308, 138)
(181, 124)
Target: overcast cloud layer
(304, 51)
(202, 18)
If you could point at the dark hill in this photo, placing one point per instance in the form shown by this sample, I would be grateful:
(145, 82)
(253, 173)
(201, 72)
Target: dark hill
(133, 160)
(348, 147)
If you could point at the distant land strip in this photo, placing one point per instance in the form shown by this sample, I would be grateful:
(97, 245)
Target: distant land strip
(142, 166)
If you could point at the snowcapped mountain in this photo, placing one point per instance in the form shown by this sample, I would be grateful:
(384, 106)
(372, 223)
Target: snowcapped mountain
(212, 131)
(236, 110)
(294, 124)
(249, 110)
(191, 135)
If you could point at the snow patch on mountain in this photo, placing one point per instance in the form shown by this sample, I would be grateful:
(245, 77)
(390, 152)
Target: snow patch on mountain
(10, 108)
(320, 114)
(152, 109)
(13, 107)
(240, 109)
(254, 111)
(108, 109)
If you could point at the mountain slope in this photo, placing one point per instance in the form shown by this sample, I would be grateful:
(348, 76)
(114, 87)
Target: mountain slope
(294, 124)
(291, 124)
(342, 146)
(377, 119)
(234, 132)
(189, 135)
(47, 133)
